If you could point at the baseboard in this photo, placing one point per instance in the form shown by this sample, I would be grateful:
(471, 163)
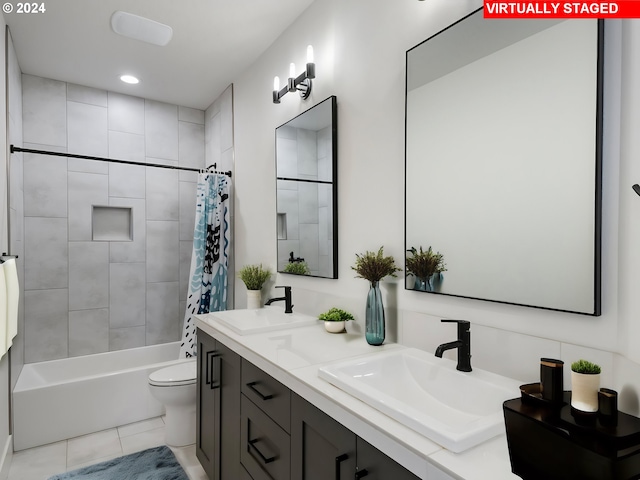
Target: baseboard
(5, 460)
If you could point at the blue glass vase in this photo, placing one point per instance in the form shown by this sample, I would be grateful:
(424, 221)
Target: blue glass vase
(423, 285)
(374, 316)
(431, 284)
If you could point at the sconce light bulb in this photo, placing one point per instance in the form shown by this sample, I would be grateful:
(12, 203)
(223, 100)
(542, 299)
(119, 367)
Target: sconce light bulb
(276, 83)
(309, 54)
(292, 70)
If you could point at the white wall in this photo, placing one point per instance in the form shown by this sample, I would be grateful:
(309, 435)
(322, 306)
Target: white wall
(360, 50)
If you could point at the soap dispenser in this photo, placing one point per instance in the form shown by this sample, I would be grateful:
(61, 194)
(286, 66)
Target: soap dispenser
(551, 380)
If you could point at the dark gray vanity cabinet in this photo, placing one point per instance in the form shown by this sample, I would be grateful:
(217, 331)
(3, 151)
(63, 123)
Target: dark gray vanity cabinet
(375, 465)
(218, 409)
(321, 448)
(252, 427)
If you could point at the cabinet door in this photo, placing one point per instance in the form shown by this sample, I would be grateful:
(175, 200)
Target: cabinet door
(229, 420)
(321, 448)
(207, 405)
(218, 409)
(375, 465)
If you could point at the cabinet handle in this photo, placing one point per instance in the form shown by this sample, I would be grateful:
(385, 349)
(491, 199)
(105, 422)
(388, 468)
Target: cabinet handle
(252, 385)
(264, 459)
(207, 365)
(361, 473)
(210, 368)
(339, 460)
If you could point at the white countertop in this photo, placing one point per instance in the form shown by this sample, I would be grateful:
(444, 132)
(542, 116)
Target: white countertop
(293, 357)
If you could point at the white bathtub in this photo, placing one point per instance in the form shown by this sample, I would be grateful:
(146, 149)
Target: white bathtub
(66, 398)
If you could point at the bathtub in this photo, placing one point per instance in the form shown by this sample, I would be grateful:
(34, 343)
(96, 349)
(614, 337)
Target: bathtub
(62, 399)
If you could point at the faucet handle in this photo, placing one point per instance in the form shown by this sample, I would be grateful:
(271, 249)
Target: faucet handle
(464, 326)
(461, 322)
(283, 286)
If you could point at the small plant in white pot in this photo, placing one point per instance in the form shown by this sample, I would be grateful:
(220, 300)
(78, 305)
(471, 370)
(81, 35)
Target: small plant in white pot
(334, 320)
(585, 383)
(254, 277)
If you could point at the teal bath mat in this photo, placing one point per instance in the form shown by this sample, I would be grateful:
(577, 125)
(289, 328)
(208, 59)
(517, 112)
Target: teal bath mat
(157, 463)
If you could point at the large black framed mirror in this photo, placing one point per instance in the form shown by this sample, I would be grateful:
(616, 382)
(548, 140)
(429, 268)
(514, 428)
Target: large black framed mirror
(503, 159)
(306, 192)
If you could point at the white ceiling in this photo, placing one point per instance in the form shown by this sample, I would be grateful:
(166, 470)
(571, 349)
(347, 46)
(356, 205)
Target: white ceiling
(213, 42)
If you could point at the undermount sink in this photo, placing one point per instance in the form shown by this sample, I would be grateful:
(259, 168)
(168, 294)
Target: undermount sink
(427, 394)
(267, 319)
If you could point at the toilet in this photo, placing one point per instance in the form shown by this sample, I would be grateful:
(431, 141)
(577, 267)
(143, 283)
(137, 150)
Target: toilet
(175, 388)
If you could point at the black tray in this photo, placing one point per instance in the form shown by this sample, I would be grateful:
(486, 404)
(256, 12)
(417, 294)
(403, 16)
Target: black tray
(559, 443)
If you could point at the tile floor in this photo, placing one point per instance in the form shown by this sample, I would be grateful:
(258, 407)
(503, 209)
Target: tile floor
(41, 462)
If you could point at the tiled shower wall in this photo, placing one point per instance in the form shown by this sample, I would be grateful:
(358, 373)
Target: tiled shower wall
(83, 296)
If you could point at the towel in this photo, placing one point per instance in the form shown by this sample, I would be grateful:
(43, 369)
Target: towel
(12, 296)
(3, 313)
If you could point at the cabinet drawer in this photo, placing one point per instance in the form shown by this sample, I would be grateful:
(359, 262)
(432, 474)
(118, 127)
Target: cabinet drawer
(265, 448)
(267, 393)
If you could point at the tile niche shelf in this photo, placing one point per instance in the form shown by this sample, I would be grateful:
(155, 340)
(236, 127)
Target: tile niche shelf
(112, 224)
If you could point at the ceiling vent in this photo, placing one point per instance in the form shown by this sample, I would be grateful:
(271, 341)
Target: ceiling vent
(140, 28)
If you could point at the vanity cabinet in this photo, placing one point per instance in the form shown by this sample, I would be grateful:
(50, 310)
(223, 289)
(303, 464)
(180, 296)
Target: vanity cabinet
(321, 448)
(252, 427)
(218, 409)
(375, 465)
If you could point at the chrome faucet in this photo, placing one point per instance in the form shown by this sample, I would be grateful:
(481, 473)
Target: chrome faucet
(288, 306)
(463, 344)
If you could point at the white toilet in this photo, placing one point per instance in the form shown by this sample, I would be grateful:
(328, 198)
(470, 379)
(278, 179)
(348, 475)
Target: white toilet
(175, 388)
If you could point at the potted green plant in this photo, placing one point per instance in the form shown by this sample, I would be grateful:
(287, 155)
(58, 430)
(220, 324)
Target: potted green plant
(297, 268)
(585, 383)
(427, 267)
(334, 319)
(374, 267)
(254, 277)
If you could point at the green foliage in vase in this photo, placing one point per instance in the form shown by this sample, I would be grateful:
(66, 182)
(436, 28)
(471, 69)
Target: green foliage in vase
(254, 276)
(335, 315)
(375, 266)
(299, 268)
(584, 366)
(424, 264)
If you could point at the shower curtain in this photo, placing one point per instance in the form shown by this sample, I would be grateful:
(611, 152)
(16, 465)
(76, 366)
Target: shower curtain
(209, 259)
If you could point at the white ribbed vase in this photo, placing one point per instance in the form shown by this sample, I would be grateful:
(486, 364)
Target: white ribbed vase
(584, 391)
(254, 299)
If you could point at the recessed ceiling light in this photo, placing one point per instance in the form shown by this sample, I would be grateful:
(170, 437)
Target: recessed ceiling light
(141, 28)
(129, 79)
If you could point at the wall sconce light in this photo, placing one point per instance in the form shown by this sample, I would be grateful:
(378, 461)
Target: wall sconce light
(301, 83)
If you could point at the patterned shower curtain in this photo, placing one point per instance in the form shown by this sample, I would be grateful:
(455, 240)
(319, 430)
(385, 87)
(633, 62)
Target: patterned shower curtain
(209, 259)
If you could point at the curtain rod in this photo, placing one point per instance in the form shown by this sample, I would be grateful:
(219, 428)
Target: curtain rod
(112, 160)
